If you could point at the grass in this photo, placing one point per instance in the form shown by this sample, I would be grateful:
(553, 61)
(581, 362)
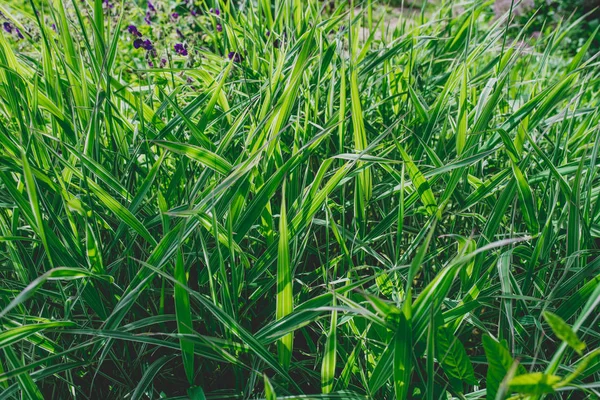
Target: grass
(294, 209)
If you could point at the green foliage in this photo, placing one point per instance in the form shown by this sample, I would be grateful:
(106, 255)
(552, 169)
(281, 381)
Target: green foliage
(564, 331)
(282, 199)
(500, 362)
(453, 357)
(535, 383)
(543, 16)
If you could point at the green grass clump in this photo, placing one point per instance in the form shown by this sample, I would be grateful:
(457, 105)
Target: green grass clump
(297, 201)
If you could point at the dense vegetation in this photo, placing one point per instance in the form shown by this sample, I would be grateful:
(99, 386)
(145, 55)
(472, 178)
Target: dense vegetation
(546, 14)
(263, 199)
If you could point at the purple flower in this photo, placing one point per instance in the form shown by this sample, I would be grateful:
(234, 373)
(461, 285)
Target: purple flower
(147, 44)
(268, 33)
(194, 13)
(150, 12)
(175, 15)
(107, 4)
(7, 27)
(219, 28)
(150, 64)
(190, 80)
(215, 11)
(144, 44)
(180, 49)
(236, 57)
(134, 30)
(53, 26)
(19, 34)
(163, 62)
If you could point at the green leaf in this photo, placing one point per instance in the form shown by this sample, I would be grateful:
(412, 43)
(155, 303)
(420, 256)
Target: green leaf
(196, 393)
(269, 391)
(535, 383)
(582, 365)
(285, 299)
(148, 376)
(463, 115)
(420, 182)
(384, 369)
(12, 335)
(30, 389)
(199, 154)
(122, 212)
(452, 355)
(403, 351)
(564, 332)
(526, 200)
(364, 184)
(499, 363)
(61, 273)
(184, 317)
(330, 355)
(420, 108)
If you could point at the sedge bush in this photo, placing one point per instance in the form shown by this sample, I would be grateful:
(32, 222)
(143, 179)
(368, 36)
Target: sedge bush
(291, 199)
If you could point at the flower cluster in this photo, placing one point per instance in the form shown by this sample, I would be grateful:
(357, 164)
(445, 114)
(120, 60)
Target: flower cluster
(184, 23)
(107, 5)
(236, 57)
(217, 13)
(180, 49)
(133, 30)
(150, 13)
(9, 28)
(145, 44)
(140, 43)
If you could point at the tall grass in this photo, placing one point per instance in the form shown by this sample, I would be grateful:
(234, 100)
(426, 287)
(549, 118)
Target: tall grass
(309, 202)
